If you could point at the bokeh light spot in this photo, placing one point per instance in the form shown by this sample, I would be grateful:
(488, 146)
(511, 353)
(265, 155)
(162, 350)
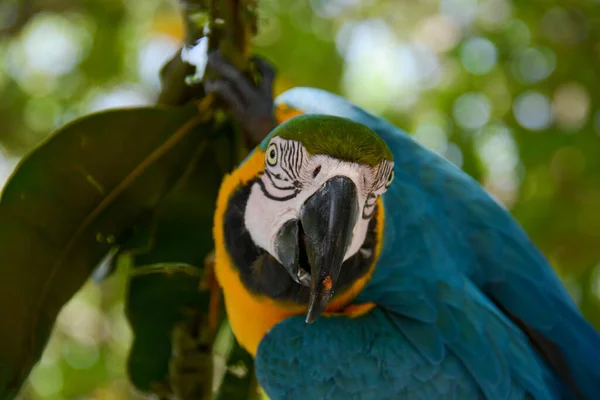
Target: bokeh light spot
(42, 114)
(478, 56)
(497, 148)
(472, 110)
(517, 34)
(533, 111)
(428, 72)
(498, 151)
(80, 355)
(492, 13)
(380, 72)
(452, 75)
(463, 12)
(7, 165)
(332, 8)
(153, 54)
(571, 105)
(32, 82)
(432, 136)
(82, 320)
(51, 44)
(126, 95)
(438, 32)
(120, 330)
(46, 379)
(343, 37)
(454, 154)
(534, 65)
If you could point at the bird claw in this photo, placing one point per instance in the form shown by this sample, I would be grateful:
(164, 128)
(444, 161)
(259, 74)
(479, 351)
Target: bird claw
(250, 104)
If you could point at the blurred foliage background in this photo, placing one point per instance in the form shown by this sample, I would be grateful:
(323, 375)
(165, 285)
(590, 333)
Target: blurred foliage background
(509, 91)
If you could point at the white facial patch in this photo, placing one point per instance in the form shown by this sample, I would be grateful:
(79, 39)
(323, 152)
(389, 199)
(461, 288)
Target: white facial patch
(292, 175)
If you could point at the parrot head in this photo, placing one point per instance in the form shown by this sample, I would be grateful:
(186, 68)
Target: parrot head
(302, 226)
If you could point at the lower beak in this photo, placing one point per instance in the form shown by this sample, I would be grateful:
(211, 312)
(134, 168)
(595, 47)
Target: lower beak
(328, 218)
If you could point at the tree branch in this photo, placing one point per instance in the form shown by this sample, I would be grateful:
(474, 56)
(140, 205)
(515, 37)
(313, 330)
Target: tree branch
(229, 26)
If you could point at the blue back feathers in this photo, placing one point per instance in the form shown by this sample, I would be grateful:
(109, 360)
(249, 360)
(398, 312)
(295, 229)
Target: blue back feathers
(456, 281)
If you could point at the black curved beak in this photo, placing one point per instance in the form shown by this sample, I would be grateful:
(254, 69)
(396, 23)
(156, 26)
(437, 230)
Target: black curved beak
(312, 249)
(328, 218)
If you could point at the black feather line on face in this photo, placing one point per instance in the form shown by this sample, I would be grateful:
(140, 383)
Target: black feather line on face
(272, 179)
(270, 196)
(381, 176)
(285, 160)
(291, 163)
(298, 160)
(369, 207)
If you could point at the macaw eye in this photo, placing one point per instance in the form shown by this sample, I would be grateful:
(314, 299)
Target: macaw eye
(272, 154)
(389, 179)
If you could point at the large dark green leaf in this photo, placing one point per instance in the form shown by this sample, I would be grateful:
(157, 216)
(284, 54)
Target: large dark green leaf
(68, 204)
(172, 344)
(181, 233)
(182, 229)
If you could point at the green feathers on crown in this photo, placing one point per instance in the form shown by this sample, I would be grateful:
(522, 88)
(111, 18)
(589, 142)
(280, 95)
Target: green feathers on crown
(336, 137)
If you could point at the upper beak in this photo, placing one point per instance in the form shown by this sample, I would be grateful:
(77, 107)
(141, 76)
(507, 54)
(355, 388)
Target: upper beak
(328, 218)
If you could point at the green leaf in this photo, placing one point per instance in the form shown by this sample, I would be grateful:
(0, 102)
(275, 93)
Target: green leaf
(180, 234)
(172, 344)
(182, 229)
(179, 230)
(68, 204)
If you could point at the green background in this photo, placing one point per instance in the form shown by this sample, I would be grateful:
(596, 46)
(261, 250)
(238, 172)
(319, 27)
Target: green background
(507, 90)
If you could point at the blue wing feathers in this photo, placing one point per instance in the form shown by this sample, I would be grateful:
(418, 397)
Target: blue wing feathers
(371, 362)
(451, 254)
(425, 337)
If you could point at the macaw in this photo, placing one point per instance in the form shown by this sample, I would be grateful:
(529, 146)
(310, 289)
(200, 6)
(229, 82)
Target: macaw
(356, 264)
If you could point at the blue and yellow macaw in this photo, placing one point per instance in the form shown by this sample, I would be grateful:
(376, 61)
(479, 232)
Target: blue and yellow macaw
(356, 264)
